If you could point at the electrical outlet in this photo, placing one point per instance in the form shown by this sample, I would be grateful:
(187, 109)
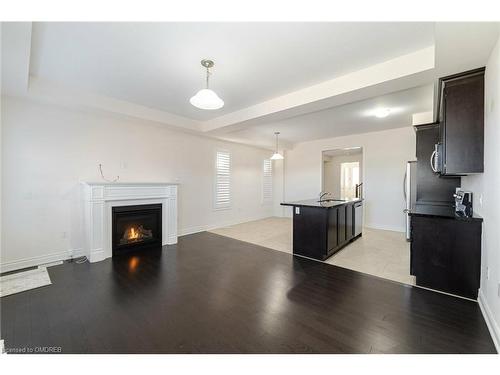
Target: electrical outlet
(297, 210)
(498, 289)
(487, 273)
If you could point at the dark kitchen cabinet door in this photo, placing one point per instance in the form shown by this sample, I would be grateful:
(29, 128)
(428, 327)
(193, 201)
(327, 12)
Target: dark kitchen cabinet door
(342, 224)
(446, 254)
(332, 228)
(462, 125)
(431, 188)
(349, 222)
(310, 232)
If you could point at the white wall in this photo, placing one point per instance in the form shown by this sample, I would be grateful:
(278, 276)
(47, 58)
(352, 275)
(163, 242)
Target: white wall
(384, 161)
(48, 149)
(332, 169)
(278, 186)
(487, 186)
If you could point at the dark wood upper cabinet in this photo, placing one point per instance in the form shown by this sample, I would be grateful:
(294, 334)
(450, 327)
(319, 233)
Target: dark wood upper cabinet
(431, 187)
(461, 118)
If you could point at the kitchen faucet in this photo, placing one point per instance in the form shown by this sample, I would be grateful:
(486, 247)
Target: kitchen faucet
(322, 194)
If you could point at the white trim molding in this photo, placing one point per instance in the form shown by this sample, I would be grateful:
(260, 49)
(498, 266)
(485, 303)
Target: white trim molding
(99, 199)
(39, 260)
(490, 320)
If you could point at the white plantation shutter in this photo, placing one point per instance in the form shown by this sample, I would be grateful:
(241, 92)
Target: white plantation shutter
(222, 197)
(267, 181)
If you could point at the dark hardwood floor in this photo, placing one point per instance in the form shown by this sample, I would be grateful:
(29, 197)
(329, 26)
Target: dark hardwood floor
(213, 294)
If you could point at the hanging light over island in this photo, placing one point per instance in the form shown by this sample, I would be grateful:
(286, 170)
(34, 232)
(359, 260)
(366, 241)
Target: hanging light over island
(207, 98)
(277, 155)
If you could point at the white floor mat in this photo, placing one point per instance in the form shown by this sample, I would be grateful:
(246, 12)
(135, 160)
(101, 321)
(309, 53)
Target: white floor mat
(22, 281)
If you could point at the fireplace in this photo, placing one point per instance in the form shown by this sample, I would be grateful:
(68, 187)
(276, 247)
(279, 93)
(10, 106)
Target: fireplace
(136, 227)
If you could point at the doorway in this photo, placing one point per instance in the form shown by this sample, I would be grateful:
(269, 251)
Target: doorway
(342, 172)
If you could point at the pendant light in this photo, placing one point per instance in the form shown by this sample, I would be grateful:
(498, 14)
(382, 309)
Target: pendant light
(277, 155)
(206, 98)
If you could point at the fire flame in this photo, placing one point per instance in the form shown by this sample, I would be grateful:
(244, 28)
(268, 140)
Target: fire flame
(133, 234)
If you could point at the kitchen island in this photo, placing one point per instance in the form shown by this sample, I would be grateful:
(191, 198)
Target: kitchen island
(321, 228)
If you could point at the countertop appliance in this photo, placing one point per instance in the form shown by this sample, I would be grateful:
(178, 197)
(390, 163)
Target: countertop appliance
(358, 218)
(409, 193)
(463, 202)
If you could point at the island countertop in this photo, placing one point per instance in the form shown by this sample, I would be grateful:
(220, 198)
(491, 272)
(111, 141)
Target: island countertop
(327, 203)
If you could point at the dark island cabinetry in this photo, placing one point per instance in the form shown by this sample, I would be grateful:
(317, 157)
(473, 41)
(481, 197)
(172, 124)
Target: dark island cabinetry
(310, 231)
(320, 229)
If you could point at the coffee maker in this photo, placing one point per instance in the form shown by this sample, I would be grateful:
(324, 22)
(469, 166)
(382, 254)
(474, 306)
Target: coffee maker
(463, 202)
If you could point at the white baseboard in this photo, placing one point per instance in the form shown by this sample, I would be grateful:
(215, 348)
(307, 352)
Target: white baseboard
(385, 227)
(99, 255)
(207, 227)
(38, 260)
(172, 240)
(490, 320)
(96, 255)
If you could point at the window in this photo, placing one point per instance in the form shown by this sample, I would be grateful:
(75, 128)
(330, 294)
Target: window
(349, 178)
(267, 181)
(222, 197)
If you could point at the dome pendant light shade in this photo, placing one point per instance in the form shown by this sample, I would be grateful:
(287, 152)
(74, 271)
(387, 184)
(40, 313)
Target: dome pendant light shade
(206, 98)
(277, 155)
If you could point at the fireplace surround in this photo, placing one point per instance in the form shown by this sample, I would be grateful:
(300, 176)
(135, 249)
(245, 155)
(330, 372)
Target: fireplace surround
(99, 200)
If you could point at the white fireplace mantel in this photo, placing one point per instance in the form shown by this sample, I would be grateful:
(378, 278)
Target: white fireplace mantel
(100, 197)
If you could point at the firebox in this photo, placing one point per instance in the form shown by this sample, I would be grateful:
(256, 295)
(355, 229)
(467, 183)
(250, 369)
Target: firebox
(136, 227)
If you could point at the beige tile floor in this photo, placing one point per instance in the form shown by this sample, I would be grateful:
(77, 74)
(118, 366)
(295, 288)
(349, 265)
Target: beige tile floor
(380, 253)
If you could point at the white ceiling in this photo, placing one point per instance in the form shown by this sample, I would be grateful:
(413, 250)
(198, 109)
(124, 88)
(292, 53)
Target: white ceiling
(158, 64)
(307, 80)
(347, 119)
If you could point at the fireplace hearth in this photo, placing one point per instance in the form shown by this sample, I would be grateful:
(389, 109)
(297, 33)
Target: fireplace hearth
(136, 228)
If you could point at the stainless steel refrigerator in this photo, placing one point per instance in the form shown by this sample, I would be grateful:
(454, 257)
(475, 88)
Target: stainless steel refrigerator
(409, 193)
